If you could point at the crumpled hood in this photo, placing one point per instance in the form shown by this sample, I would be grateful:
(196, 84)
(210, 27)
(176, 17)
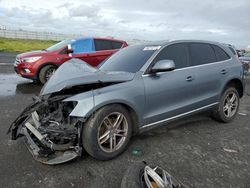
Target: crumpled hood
(77, 72)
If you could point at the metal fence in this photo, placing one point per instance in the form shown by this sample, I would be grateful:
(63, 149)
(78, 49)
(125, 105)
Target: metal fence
(23, 34)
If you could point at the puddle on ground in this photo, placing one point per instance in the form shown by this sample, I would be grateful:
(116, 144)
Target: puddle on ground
(12, 84)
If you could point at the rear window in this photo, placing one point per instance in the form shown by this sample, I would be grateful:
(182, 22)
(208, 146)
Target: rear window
(220, 53)
(116, 45)
(107, 45)
(103, 45)
(232, 50)
(201, 54)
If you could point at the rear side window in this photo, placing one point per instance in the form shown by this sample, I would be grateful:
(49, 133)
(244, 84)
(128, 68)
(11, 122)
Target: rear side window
(232, 50)
(201, 54)
(176, 52)
(220, 53)
(82, 46)
(103, 45)
(116, 45)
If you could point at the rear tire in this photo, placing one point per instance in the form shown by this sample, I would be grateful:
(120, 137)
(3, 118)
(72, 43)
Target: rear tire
(104, 139)
(46, 72)
(228, 106)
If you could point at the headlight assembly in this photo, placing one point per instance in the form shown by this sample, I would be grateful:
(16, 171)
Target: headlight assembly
(31, 59)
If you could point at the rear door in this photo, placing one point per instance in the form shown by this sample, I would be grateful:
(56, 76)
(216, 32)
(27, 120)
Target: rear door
(171, 93)
(105, 48)
(209, 63)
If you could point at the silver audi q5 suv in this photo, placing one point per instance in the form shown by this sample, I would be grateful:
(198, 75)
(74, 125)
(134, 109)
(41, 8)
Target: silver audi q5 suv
(138, 88)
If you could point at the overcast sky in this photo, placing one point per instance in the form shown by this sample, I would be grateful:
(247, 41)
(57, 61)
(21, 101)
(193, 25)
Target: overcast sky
(220, 20)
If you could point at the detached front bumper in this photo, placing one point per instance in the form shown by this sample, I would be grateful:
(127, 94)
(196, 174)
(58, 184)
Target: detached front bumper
(43, 150)
(47, 156)
(41, 147)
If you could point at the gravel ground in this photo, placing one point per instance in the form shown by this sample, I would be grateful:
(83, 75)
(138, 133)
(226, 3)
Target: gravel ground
(192, 149)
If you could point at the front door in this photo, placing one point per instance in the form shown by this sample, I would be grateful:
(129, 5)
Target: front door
(170, 94)
(84, 49)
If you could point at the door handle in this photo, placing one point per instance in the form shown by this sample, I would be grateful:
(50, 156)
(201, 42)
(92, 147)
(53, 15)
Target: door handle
(223, 71)
(189, 78)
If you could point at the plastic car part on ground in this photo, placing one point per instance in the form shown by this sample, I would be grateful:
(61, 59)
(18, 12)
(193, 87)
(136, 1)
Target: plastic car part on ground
(141, 175)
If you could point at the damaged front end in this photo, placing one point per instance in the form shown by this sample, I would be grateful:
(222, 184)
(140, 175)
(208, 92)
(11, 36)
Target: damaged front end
(52, 126)
(50, 134)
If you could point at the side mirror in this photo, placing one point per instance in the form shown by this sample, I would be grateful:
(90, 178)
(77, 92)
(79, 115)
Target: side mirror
(69, 50)
(163, 66)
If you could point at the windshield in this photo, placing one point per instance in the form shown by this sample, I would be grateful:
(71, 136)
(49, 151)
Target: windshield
(58, 45)
(129, 59)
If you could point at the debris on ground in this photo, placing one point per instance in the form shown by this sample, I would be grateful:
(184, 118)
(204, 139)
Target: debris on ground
(241, 113)
(136, 152)
(230, 150)
(141, 175)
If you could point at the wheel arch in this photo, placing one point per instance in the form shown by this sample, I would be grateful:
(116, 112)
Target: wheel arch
(237, 84)
(132, 112)
(134, 117)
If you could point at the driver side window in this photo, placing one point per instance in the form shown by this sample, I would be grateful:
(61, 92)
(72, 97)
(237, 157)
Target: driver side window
(176, 52)
(82, 46)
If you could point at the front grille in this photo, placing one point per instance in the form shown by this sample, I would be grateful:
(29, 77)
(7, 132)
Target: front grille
(17, 62)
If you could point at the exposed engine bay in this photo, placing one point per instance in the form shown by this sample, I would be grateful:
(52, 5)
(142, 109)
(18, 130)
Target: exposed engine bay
(51, 135)
(48, 130)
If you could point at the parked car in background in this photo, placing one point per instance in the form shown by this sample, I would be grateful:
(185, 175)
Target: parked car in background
(238, 55)
(245, 57)
(241, 52)
(139, 88)
(40, 65)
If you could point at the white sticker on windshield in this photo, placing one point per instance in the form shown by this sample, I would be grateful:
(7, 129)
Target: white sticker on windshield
(151, 48)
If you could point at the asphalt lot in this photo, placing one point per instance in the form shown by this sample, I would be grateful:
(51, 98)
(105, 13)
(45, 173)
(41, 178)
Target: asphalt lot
(192, 149)
(7, 57)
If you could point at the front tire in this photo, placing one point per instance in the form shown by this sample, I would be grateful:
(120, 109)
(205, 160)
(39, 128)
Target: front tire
(107, 133)
(46, 72)
(228, 107)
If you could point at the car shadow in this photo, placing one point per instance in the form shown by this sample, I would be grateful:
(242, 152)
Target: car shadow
(28, 88)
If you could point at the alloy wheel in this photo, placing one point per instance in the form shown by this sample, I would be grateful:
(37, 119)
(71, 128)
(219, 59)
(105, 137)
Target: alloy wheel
(49, 73)
(230, 104)
(112, 132)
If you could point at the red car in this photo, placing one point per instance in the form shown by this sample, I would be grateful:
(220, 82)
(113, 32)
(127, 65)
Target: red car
(40, 65)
